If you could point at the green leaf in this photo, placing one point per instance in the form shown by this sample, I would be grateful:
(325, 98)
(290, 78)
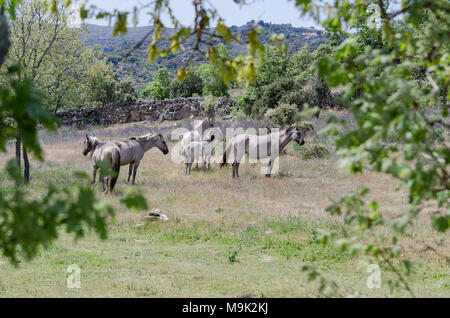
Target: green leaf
(135, 201)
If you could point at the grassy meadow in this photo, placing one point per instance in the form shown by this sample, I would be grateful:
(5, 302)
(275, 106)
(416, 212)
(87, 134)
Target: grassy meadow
(224, 237)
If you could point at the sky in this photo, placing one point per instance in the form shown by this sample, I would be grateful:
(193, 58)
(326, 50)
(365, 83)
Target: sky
(275, 11)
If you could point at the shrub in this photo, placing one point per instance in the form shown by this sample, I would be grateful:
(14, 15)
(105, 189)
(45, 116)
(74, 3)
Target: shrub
(297, 97)
(245, 100)
(125, 93)
(159, 87)
(209, 107)
(321, 93)
(313, 152)
(271, 95)
(192, 84)
(306, 126)
(283, 115)
(217, 89)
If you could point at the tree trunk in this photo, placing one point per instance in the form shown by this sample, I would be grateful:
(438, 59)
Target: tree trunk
(18, 145)
(26, 167)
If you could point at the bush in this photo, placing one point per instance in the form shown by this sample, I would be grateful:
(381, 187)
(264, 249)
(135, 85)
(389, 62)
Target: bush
(190, 86)
(306, 126)
(313, 152)
(245, 100)
(125, 93)
(209, 107)
(271, 95)
(283, 115)
(321, 93)
(159, 87)
(297, 97)
(217, 89)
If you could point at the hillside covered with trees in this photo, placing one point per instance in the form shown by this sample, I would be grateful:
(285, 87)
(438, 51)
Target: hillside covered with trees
(137, 67)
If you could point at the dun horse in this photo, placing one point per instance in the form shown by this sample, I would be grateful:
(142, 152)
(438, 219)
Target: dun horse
(104, 156)
(131, 151)
(259, 147)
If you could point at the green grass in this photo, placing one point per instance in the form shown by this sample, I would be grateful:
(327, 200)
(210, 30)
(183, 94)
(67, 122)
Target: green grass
(196, 260)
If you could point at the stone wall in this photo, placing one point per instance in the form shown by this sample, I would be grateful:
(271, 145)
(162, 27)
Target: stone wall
(158, 110)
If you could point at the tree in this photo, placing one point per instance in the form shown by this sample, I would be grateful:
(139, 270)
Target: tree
(72, 206)
(100, 83)
(125, 92)
(273, 65)
(192, 84)
(211, 75)
(159, 87)
(51, 54)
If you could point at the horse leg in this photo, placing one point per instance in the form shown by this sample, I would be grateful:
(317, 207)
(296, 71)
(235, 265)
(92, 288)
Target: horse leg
(269, 169)
(102, 180)
(235, 170)
(108, 184)
(135, 166)
(94, 172)
(209, 162)
(130, 170)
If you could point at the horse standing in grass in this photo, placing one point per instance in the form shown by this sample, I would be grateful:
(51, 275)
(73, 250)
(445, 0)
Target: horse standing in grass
(259, 147)
(105, 156)
(196, 150)
(196, 134)
(131, 151)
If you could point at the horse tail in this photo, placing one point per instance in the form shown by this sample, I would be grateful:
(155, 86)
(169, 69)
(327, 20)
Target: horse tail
(225, 154)
(115, 167)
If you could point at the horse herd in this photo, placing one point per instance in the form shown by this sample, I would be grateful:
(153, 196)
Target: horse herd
(109, 156)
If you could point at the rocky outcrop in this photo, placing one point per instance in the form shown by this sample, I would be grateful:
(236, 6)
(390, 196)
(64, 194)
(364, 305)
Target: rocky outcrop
(158, 110)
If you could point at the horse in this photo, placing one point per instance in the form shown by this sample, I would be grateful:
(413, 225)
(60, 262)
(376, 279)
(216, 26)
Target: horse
(103, 155)
(196, 150)
(131, 151)
(195, 134)
(260, 147)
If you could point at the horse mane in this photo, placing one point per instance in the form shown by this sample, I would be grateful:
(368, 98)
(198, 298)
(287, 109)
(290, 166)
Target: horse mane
(147, 136)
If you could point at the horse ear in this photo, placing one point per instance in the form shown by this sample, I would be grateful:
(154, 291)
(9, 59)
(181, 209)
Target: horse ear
(87, 137)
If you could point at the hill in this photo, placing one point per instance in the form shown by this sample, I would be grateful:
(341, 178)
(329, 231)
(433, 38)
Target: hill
(137, 67)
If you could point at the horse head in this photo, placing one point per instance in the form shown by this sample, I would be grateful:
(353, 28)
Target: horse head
(87, 145)
(297, 135)
(161, 144)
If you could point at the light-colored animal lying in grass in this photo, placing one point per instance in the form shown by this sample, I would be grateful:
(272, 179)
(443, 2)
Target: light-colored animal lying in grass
(259, 147)
(104, 155)
(196, 134)
(198, 150)
(131, 151)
